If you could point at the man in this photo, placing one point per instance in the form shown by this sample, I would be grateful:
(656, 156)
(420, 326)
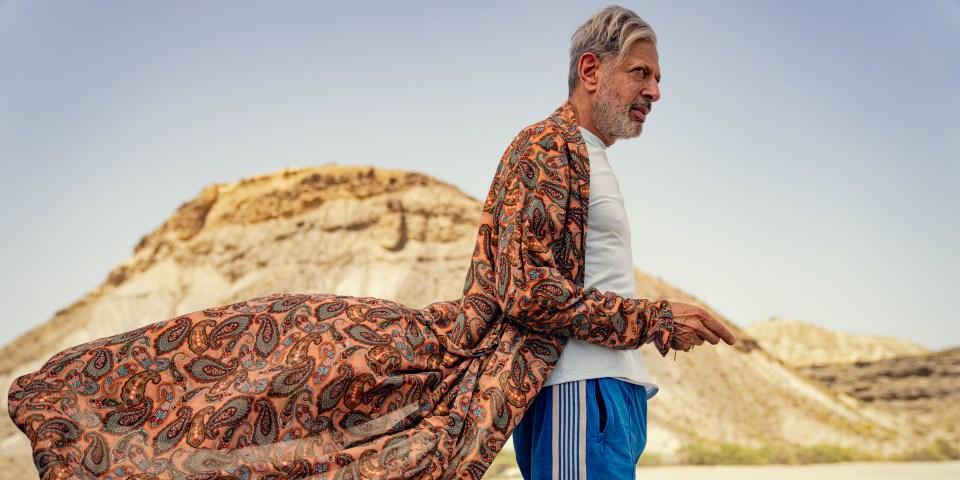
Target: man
(589, 421)
(301, 385)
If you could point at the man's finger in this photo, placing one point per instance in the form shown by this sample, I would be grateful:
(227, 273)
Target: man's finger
(719, 330)
(703, 331)
(709, 336)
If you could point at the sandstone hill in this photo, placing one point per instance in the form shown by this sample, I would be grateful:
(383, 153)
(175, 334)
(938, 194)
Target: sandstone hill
(890, 374)
(799, 344)
(408, 237)
(925, 388)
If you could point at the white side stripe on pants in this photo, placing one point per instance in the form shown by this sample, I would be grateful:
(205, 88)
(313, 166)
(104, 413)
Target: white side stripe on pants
(569, 426)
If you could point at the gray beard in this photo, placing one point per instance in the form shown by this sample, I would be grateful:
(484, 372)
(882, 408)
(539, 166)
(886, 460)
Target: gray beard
(611, 117)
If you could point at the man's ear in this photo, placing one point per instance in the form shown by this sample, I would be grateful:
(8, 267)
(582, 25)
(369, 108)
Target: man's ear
(589, 70)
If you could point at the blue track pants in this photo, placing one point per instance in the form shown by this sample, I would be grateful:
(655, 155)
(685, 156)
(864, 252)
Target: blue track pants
(593, 429)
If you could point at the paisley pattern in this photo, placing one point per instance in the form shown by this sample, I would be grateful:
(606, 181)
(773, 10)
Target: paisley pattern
(327, 386)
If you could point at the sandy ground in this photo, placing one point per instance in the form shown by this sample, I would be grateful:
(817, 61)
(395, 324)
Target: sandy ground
(859, 471)
(843, 471)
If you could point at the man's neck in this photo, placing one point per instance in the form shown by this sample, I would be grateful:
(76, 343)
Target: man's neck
(583, 109)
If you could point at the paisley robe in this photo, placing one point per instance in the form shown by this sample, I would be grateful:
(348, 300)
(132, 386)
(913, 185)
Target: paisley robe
(327, 386)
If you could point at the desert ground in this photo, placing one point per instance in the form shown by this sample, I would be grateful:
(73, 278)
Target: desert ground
(841, 471)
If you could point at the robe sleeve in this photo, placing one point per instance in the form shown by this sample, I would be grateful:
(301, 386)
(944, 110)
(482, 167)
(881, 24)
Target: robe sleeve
(533, 204)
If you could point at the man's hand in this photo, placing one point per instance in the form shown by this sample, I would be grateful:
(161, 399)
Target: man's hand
(692, 326)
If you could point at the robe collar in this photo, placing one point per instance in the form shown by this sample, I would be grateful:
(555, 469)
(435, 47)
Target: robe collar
(579, 164)
(566, 119)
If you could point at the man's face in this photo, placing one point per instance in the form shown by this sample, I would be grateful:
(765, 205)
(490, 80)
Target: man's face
(626, 91)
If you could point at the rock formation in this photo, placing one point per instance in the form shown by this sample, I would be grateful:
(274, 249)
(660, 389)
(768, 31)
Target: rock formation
(889, 374)
(923, 388)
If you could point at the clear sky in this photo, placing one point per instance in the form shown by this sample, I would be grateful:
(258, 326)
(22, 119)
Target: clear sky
(804, 161)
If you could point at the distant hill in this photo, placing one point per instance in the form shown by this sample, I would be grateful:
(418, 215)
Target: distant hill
(924, 388)
(890, 374)
(798, 344)
(408, 237)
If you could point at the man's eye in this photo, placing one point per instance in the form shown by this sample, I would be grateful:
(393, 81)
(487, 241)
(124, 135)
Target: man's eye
(641, 70)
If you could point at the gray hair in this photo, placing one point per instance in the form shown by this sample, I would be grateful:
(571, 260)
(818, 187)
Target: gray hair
(608, 34)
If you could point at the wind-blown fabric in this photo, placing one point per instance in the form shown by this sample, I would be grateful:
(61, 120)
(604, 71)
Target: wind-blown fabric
(326, 386)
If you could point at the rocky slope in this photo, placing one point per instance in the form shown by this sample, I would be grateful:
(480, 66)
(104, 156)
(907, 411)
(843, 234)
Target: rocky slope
(407, 237)
(888, 374)
(802, 344)
(924, 388)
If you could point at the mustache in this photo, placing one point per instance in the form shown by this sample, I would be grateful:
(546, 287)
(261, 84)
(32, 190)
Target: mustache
(642, 104)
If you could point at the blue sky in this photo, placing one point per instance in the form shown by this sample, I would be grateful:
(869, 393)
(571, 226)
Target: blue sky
(804, 161)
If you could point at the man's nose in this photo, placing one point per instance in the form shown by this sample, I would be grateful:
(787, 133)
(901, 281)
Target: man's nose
(652, 92)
